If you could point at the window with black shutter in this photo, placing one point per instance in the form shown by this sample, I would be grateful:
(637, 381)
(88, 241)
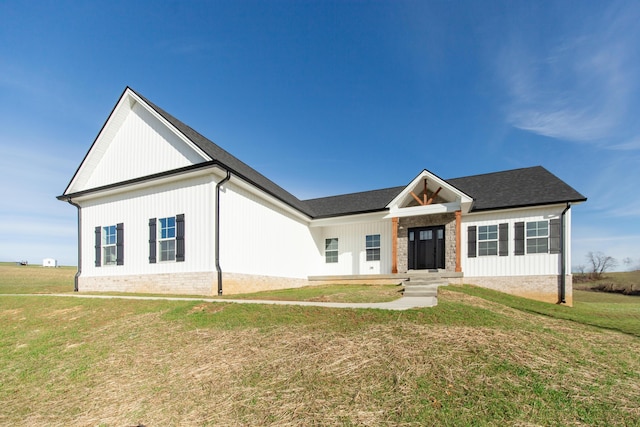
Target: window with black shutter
(98, 246)
(519, 238)
(120, 244)
(152, 241)
(180, 238)
(503, 239)
(554, 236)
(471, 241)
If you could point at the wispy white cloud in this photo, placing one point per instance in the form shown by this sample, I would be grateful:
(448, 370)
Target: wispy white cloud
(631, 208)
(629, 145)
(580, 88)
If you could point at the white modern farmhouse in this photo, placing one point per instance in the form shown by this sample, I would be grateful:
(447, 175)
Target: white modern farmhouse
(163, 209)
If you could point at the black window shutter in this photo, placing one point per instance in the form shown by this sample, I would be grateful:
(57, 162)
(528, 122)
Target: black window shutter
(554, 236)
(152, 241)
(180, 238)
(120, 244)
(98, 246)
(471, 241)
(503, 239)
(519, 238)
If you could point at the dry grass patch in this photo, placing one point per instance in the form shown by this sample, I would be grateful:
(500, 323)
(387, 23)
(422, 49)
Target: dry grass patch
(26, 279)
(175, 363)
(329, 293)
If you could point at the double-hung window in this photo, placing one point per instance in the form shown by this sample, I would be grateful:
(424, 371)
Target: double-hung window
(109, 245)
(109, 255)
(373, 247)
(538, 237)
(331, 250)
(487, 240)
(167, 239)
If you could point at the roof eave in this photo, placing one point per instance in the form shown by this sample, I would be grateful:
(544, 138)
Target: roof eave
(530, 205)
(176, 172)
(139, 180)
(350, 213)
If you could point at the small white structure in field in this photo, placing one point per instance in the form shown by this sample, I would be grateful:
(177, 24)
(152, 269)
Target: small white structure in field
(49, 262)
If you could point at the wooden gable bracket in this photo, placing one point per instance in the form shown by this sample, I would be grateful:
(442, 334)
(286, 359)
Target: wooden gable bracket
(425, 201)
(434, 195)
(417, 199)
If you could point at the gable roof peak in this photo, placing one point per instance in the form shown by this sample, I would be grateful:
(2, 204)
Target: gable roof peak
(213, 153)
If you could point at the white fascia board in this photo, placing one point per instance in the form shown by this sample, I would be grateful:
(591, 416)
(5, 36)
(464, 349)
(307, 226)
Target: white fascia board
(217, 173)
(349, 219)
(461, 198)
(559, 206)
(162, 120)
(143, 184)
(424, 210)
(99, 146)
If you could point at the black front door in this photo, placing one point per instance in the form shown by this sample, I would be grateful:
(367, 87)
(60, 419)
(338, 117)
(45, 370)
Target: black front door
(426, 248)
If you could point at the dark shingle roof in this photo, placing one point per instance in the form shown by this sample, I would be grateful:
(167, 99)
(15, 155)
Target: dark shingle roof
(516, 188)
(366, 201)
(499, 190)
(240, 168)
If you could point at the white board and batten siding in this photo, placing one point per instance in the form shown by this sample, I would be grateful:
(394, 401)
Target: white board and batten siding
(513, 265)
(352, 254)
(140, 146)
(258, 237)
(193, 197)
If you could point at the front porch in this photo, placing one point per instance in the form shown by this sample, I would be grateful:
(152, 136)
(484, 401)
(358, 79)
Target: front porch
(389, 279)
(426, 243)
(416, 283)
(426, 228)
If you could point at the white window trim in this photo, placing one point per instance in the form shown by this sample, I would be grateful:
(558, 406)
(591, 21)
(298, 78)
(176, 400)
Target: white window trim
(372, 248)
(488, 240)
(162, 240)
(328, 251)
(527, 238)
(106, 234)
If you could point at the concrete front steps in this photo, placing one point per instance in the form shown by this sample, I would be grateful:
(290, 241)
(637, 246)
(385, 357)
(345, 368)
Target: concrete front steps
(423, 284)
(420, 289)
(419, 284)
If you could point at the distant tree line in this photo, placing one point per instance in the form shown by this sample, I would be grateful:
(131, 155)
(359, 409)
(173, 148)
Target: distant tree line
(598, 263)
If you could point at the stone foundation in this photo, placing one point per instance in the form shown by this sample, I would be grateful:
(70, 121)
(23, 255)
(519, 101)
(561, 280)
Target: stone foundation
(236, 283)
(202, 283)
(540, 288)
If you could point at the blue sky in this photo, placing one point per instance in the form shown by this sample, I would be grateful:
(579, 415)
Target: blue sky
(328, 98)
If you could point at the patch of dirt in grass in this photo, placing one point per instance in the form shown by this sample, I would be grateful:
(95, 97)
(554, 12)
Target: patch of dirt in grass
(13, 313)
(64, 312)
(207, 307)
(322, 298)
